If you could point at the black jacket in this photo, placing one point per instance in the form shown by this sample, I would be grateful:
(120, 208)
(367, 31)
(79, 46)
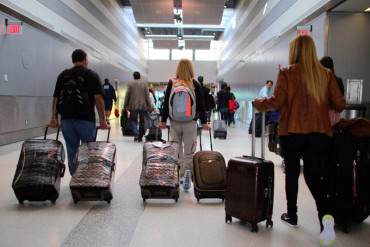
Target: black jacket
(199, 98)
(223, 99)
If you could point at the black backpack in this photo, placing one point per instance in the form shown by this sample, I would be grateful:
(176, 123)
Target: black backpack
(73, 99)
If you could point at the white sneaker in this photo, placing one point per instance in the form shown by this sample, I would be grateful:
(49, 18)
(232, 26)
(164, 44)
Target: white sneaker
(327, 236)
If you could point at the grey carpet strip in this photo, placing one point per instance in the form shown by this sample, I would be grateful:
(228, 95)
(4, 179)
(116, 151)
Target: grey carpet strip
(112, 225)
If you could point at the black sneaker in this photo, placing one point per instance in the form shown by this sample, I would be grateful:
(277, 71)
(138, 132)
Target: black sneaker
(291, 221)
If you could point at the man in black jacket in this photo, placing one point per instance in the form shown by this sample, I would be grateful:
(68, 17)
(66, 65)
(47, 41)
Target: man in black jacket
(223, 97)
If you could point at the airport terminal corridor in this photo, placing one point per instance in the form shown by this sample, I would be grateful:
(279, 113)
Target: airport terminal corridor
(150, 69)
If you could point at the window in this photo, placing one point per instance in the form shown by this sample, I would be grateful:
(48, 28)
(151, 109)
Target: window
(180, 54)
(158, 54)
(206, 55)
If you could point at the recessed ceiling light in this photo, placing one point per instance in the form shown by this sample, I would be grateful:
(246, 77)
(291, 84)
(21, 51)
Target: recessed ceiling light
(265, 8)
(367, 10)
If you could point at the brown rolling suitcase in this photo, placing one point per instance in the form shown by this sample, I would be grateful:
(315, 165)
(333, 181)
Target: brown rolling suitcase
(93, 178)
(250, 187)
(209, 170)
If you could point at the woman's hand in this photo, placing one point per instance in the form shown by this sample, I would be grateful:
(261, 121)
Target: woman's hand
(162, 125)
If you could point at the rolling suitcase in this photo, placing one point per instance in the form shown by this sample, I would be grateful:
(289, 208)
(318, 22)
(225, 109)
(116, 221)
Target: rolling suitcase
(209, 171)
(39, 170)
(219, 129)
(125, 124)
(160, 171)
(93, 178)
(250, 187)
(155, 133)
(349, 171)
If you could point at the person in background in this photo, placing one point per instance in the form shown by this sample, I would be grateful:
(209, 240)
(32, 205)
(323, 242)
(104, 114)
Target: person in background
(266, 91)
(153, 99)
(77, 91)
(328, 63)
(183, 105)
(209, 102)
(233, 107)
(304, 94)
(138, 103)
(109, 97)
(223, 97)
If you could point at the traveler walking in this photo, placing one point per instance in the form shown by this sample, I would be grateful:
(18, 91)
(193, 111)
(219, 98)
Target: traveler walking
(77, 91)
(109, 97)
(328, 63)
(184, 105)
(304, 94)
(209, 102)
(266, 91)
(233, 107)
(223, 97)
(137, 102)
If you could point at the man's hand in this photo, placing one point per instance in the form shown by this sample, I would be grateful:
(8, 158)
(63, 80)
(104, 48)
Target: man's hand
(162, 125)
(206, 126)
(53, 123)
(103, 125)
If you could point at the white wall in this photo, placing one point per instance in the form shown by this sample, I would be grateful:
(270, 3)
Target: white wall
(162, 71)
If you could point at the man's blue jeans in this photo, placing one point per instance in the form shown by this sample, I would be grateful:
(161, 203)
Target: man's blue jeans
(74, 132)
(133, 122)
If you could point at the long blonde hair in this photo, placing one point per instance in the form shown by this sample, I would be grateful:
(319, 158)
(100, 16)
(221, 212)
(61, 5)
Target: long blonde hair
(315, 76)
(185, 72)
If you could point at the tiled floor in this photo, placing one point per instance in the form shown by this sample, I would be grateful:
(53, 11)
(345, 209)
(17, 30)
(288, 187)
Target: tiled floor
(160, 223)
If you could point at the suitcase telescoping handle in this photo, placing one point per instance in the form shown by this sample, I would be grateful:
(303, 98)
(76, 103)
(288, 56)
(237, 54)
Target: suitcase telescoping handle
(200, 138)
(96, 133)
(254, 134)
(46, 133)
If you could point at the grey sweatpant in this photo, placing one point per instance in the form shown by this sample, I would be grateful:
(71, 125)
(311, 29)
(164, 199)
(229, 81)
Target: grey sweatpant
(185, 134)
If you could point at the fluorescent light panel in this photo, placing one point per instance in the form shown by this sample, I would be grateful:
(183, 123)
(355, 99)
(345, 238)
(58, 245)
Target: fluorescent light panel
(186, 37)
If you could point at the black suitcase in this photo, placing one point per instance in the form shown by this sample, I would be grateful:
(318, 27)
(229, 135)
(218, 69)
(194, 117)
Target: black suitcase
(219, 129)
(250, 188)
(93, 178)
(349, 174)
(125, 124)
(39, 170)
(209, 172)
(160, 171)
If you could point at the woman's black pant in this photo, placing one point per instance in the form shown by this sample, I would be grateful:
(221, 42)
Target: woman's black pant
(313, 149)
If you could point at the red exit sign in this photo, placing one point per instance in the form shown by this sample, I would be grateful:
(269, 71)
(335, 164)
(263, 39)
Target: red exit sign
(11, 27)
(14, 28)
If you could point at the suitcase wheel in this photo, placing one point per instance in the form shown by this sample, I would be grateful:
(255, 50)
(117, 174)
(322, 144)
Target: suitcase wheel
(254, 227)
(53, 201)
(228, 218)
(176, 199)
(269, 223)
(108, 201)
(144, 200)
(75, 200)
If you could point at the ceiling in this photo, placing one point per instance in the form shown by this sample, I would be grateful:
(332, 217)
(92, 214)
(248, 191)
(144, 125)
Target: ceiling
(353, 6)
(198, 21)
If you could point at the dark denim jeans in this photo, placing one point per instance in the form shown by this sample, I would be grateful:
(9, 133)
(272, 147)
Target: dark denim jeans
(74, 132)
(225, 114)
(135, 114)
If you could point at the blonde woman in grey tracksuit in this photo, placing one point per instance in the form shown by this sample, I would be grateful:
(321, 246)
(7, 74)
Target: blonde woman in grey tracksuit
(184, 104)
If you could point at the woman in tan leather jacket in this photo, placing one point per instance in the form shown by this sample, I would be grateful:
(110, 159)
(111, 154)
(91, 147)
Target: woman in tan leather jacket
(304, 94)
